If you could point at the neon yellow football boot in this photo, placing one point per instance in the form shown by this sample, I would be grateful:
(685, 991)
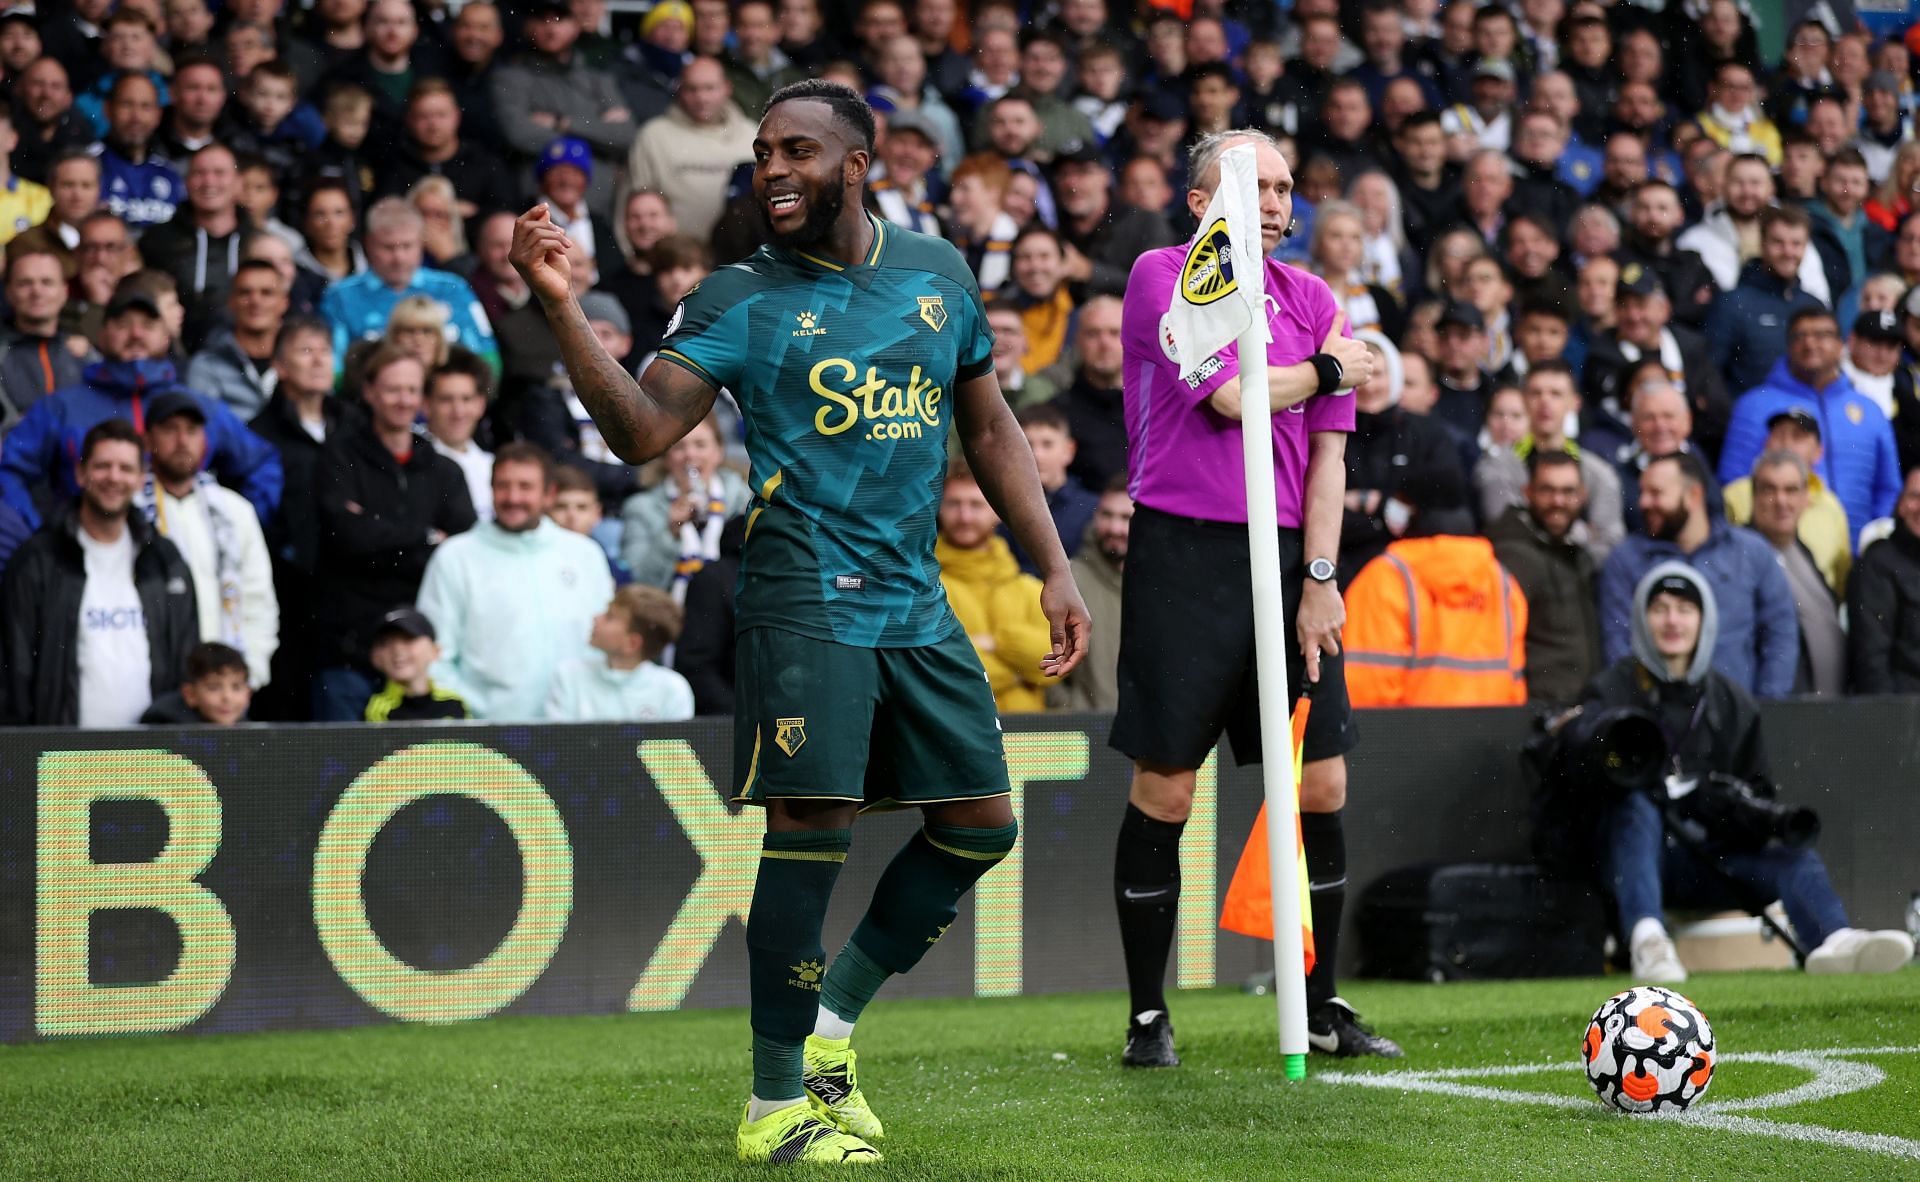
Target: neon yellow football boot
(834, 1091)
(796, 1135)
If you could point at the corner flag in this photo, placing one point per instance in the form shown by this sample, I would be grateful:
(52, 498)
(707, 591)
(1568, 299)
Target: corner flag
(1211, 308)
(1221, 298)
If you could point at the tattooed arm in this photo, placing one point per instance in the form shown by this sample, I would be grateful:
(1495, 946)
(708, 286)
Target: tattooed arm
(639, 419)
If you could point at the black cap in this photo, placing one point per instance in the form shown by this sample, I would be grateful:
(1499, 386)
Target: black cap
(128, 298)
(1679, 586)
(1883, 326)
(1798, 416)
(1079, 152)
(1461, 312)
(1162, 105)
(20, 12)
(1637, 280)
(173, 403)
(405, 621)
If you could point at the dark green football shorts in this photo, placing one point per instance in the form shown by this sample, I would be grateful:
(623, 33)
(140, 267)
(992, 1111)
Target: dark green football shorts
(882, 727)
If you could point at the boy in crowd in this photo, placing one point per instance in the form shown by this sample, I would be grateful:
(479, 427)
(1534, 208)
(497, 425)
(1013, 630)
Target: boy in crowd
(576, 507)
(348, 115)
(622, 681)
(1050, 435)
(215, 692)
(404, 649)
(272, 122)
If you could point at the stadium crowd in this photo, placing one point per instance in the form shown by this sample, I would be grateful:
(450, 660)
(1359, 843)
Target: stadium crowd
(285, 438)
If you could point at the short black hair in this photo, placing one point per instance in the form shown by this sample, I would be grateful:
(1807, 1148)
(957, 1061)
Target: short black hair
(1692, 472)
(1200, 71)
(110, 431)
(1045, 414)
(853, 111)
(521, 452)
(210, 657)
(1421, 118)
(1548, 457)
(297, 323)
(1552, 366)
(465, 362)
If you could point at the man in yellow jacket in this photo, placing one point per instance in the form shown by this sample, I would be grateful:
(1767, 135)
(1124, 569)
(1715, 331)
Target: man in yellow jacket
(995, 601)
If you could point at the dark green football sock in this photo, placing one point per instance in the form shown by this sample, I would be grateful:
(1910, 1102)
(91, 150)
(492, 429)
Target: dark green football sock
(785, 960)
(918, 897)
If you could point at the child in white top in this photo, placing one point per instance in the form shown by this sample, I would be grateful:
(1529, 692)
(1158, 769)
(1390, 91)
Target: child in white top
(622, 681)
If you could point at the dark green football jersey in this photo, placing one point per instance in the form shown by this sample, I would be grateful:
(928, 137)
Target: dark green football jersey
(846, 377)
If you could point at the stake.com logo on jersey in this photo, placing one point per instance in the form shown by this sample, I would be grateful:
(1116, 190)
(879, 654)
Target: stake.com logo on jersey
(890, 410)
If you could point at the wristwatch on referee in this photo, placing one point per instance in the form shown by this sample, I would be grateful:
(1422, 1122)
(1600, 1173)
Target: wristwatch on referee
(1321, 570)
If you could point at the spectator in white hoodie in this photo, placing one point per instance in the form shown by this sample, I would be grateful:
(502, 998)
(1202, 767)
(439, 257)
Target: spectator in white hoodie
(515, 597)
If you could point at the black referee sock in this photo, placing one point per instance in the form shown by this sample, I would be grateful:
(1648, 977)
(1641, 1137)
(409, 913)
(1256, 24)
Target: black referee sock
(1325, 841)
(1146, 890)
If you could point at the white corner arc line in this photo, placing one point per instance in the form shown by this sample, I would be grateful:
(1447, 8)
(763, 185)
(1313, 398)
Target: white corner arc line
(1833, 1074)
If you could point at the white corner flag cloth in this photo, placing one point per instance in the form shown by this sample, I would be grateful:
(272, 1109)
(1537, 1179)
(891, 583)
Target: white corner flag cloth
(1211, 305)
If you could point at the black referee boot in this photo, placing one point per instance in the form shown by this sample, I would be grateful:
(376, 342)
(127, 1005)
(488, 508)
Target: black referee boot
(1334, 1029)
(1150, 1044)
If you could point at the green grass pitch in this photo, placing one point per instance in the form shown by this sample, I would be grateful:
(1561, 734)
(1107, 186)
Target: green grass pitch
(1025, 1088)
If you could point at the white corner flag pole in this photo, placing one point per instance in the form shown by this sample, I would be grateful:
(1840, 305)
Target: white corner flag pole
(1270, 631)
(1220, 298)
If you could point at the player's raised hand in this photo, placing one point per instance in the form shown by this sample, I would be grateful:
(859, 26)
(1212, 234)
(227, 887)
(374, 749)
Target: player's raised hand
(1067, 622)
(540, 255)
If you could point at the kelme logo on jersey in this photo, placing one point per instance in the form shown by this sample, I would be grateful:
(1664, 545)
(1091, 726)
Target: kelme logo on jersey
(888, 409)
(1208, 274)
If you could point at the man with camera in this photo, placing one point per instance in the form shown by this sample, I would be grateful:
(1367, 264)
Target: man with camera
(1692, 820)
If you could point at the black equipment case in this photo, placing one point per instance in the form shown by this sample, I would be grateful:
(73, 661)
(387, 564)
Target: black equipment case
(1479, 921)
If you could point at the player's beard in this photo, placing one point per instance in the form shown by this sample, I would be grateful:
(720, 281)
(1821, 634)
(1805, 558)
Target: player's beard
(1669, 530)
(823, 210)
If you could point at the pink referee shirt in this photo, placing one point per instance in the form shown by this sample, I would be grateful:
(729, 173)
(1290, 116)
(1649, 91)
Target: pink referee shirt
(1184, 457)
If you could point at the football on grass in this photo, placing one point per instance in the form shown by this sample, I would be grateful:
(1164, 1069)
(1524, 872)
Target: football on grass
(1648, 1050)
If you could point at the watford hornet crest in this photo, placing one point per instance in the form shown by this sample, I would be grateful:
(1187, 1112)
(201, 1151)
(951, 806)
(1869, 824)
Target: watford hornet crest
(790, 734)
(933, 312)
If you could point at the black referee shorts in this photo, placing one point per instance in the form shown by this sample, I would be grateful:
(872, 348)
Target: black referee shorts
(1186, 646)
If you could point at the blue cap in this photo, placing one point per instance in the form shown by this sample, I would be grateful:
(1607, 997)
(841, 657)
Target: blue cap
(565, 150)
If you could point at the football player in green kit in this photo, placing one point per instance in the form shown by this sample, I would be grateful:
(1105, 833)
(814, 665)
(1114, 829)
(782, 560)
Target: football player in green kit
(849, 344)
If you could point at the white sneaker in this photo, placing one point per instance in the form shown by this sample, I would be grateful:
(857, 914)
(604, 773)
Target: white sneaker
(1655, 959)
(1852, 950)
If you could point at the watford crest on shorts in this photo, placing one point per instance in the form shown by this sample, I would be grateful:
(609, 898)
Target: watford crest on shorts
(790, 734)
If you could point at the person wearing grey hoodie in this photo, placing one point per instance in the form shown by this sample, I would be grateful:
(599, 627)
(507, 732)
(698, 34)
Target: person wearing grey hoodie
(1712, 727)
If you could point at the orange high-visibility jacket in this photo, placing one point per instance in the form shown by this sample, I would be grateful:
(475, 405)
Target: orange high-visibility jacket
(1436, 622)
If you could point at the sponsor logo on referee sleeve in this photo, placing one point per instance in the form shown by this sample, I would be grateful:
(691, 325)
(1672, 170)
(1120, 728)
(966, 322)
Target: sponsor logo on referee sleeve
(1208, 368)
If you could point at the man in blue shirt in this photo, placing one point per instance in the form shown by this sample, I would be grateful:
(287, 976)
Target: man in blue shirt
(357, 307)
(1861, 462)
(136, 185)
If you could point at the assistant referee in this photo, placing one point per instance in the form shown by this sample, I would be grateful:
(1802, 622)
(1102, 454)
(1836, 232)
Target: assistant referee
(1186, 630)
